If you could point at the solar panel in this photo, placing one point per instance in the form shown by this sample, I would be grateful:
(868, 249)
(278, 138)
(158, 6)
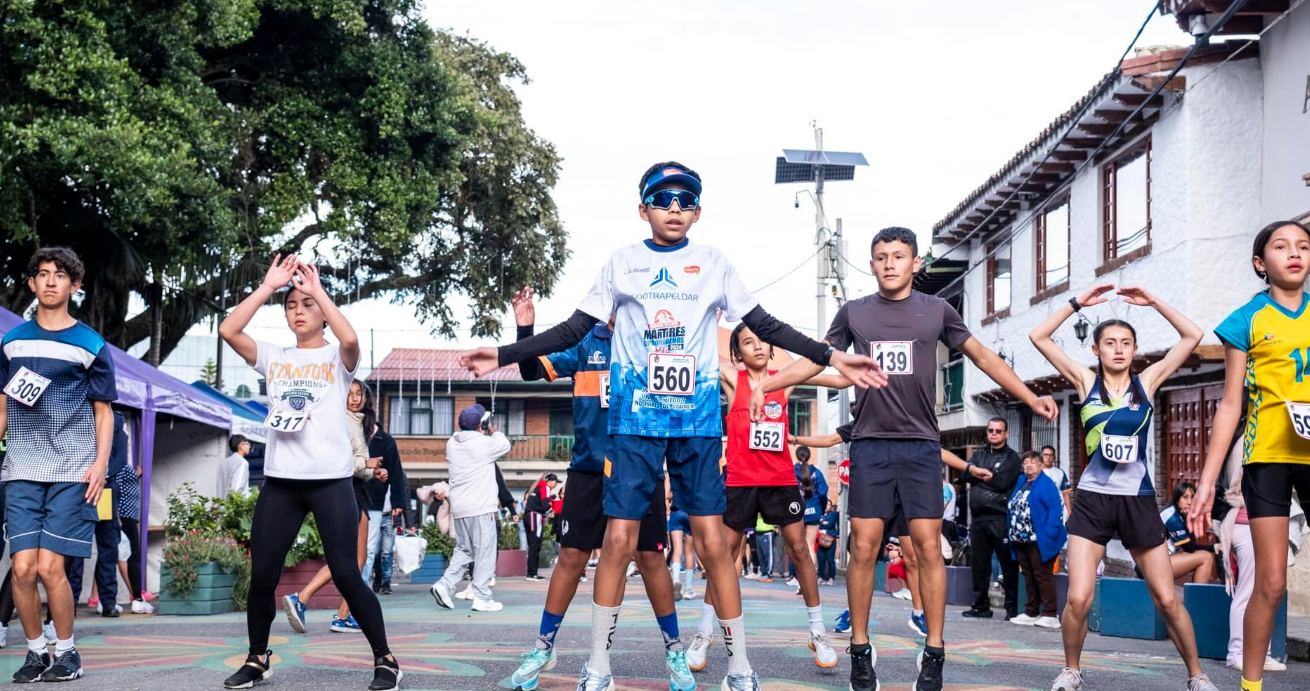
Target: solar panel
(803, 172)
(837, 158)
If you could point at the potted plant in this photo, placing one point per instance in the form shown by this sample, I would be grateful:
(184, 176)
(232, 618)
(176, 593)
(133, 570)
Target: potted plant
(190, 514)
(199, 574)
(510, 560)
(436, 557)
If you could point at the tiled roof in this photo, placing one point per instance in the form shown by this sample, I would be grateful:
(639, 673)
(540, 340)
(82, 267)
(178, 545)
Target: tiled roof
(433, 364)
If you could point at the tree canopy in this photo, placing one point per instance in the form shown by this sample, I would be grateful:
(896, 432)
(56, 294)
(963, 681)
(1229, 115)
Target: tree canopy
(178, 146)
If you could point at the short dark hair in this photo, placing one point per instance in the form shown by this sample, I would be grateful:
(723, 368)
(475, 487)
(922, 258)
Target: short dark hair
(235, 441)
(1262, 240)
(896, 234)
(641, 184)
(1048, 446)
(1001, 420)
(63, 258)
(1031, 454)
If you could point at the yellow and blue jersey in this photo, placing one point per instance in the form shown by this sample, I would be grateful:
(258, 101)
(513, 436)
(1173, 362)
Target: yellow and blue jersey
(1277, 346)
(588, 364)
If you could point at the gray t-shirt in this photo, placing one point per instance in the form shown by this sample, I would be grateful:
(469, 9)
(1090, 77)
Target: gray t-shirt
(902, 336)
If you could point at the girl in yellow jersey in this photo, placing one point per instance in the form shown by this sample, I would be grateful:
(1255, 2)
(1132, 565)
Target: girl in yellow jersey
(1267, 360)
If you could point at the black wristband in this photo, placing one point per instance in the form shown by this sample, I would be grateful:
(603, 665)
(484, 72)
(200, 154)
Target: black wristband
(1076, 307)
(827, 356)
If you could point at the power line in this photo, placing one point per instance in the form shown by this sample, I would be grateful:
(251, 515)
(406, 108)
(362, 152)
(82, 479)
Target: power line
(794, 270)
(1091, 157)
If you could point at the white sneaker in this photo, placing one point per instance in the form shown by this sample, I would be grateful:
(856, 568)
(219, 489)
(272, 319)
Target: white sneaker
(824, 655)
(697, 651)
(1070, 679)
(480, 605)
(49, 631)
(1044, 622)
(582, 580)
(465, 594)
(792, 581)
(903, 594)
(688, 592)
(1272, 665)
(1024, 620)
(4, 635)
(142, 607)
(752, 576)
(492, 584)
(441, 594)
(632, 568)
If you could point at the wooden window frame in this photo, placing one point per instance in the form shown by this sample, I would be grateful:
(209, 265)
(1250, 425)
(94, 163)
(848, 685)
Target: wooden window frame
(992, 314)
(1045, 291)
(1110, 257)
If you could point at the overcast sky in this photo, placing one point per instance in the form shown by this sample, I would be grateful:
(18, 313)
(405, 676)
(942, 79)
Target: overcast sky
(938, 96)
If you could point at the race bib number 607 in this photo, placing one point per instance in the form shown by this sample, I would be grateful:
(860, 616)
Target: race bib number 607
(1117, 449)
(26, 386)
(671, 375)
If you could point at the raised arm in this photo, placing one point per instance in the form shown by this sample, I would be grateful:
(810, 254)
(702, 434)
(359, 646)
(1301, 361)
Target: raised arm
(348, 340)
(1080, 376)
(566, 334)
(824, 442)
(965, 467)
(860, 369)
(1000, 372)
(233, 328)
(525, 317)
(1226, 418)
(1189, 335)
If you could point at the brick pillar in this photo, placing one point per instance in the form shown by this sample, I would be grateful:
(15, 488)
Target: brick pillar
(462, 401)
(536, 413)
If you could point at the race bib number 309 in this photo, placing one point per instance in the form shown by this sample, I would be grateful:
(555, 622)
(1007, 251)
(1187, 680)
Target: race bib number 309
(26, 386)
(286, 421)
(671, 375)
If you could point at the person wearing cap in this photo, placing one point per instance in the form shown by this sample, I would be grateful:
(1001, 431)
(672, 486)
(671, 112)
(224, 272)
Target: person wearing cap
(666, 295)
(536, 506)
(474, 502)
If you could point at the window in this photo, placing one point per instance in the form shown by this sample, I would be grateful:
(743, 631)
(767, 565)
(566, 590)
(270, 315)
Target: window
(998, 279)
(509, 416)
(1126, 203)
(422, 415)
(1053, 245)
(798, 418)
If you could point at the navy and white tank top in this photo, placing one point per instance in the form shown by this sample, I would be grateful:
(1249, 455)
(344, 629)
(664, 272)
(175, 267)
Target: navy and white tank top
(1118, 441)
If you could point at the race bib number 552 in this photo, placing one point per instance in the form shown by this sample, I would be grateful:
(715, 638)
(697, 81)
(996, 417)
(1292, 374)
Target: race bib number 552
(671, 375)
(767, 436)
(26, 386)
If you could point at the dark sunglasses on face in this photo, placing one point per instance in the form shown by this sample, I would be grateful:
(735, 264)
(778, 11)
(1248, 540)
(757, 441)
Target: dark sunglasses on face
(663, 199)
(995, 431)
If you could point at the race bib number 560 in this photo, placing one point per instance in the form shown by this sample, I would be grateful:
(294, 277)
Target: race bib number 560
(671, 375)
(26, 386)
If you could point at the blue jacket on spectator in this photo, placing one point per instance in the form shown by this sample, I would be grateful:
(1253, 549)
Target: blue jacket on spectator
(1047, 512)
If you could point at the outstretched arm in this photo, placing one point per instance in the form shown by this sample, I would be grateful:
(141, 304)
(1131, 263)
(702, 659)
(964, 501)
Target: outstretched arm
(1000, 372)
(1189, 335)
(233, 328)
(824, 442)
(965, 467)
(1078, 375)
(860, 369)
(341, 328)
(566, 334)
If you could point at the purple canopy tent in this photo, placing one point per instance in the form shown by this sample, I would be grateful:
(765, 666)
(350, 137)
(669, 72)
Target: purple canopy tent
(149, 390)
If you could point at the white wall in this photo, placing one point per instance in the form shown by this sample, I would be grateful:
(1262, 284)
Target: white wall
(184, 452)
(1285, 58)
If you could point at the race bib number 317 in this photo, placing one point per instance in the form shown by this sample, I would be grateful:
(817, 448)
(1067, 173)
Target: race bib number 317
(26, 386)
(286, 421)
(671, 375)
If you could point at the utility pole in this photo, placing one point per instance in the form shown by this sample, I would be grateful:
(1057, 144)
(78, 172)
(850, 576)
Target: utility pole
(821, 275)
(222, 312)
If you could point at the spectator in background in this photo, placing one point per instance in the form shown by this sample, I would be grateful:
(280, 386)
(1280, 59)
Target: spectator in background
(128, 484)
(1186, 556)
(988, 502)
(948, 509)
(536, 508)
(814, 488)
(234, 471)
(386, 500)
(1059, 477)
(104, 593)
(829, 532)
(764, 549)
(1037, 534)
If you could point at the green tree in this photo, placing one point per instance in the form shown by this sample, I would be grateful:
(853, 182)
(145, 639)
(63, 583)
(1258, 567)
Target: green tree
(177, 146)
(209, 372)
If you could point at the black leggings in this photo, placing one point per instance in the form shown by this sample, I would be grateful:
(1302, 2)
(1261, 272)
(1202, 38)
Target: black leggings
(279, 513)
(132, 529)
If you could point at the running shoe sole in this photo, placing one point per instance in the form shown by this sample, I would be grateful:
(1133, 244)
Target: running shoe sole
(293, 619)
(400, 674)
(343, 629)
(816, 658)
(437, 592)
(250, 684)
(916, 629)
(544, 668)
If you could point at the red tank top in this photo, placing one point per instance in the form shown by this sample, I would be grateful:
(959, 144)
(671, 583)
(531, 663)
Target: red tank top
(756, 467)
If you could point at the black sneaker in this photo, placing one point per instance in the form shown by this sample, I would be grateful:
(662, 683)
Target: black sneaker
(33, 667)
(977, 613)
(386, 589)
(67, 668)
(255, 670)
(386, 675)
(863, 678)
(110, 611)
(930, 671)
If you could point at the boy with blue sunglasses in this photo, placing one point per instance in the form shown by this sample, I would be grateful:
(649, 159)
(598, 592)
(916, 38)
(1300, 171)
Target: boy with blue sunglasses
(666, 295)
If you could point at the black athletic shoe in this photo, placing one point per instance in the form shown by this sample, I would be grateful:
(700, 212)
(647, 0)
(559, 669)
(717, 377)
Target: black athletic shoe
(33, 667)
(386, 589)
(863, 678)
(255, 670)
(386, 675)
(67, 668)
(977, 613)
(110, 611)
(930, 671)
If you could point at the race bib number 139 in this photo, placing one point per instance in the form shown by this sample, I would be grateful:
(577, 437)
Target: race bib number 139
(894, 357)
(671, 375)
(26, 386)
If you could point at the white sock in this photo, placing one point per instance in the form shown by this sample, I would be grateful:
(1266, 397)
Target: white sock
(677, 574)
(707, 620)
(603, 622)
(63, 645)
(918, 613)
(37, 645)
(734, 640)
(816, 619)
(686, 577)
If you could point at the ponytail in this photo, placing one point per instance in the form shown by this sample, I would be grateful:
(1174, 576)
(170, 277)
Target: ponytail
(807, 479)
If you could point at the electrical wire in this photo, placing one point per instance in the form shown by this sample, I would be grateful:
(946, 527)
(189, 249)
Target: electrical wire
(794, 270)
(1027, 222)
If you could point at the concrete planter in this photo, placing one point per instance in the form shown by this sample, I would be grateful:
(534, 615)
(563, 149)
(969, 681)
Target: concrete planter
(433, 567)
(212, 595)
(298, 576)
(512, 562)
(959, 585)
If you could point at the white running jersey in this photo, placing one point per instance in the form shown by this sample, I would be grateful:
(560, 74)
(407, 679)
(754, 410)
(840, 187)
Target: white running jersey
(664, 365)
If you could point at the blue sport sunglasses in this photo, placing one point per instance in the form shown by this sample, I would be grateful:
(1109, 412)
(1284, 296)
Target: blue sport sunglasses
(663, 199)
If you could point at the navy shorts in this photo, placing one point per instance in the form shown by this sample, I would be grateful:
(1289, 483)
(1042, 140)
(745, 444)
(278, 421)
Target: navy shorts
(678, 520)
(582, 520)
(694, 475)
(895, 475)
(53, 516)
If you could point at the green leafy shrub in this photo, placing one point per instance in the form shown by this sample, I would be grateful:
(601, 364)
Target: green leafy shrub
(184, 555)
(509, 535)
(438, 542)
